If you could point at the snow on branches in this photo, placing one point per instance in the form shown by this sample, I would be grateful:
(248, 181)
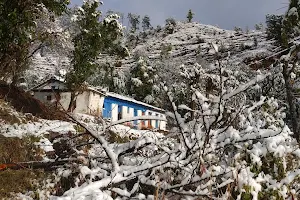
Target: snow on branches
(224, 144)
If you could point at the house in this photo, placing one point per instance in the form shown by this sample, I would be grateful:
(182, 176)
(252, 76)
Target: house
(55, 92)
(98, 102)
(118, 107)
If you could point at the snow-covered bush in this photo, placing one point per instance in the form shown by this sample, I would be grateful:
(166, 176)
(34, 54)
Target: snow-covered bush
(226, 145)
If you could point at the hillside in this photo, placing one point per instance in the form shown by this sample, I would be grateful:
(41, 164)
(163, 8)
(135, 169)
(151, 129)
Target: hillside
(190, 43)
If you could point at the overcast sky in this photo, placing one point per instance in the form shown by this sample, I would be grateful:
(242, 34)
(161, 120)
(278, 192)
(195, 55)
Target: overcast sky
(224, 13)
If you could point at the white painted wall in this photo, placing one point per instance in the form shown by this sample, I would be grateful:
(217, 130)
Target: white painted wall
(65, 98)
(163, 124)
(131, 112)
(82, 102)
(124, 112)
(114, 112)
(95, 105)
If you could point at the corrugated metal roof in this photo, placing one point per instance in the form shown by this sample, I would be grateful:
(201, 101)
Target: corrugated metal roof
(103, 92)
(111, 94)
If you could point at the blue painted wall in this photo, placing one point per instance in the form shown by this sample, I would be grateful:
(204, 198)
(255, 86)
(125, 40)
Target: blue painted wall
(107, 107)
(108, 101)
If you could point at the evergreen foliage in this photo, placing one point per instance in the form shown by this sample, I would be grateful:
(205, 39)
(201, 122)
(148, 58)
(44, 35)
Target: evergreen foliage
(134, 21)
(146, 22)
(190, 15)
(18, 30)
(274, 27)
(170, 25)
(142, 82)
(94, 37)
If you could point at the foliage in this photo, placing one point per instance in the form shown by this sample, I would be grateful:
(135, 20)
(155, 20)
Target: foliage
(134, 21)
(290, 23)
(165, 51)
(238, 29)
(141, 84)
(18, 30)
(108, 76)
(259, 27)
(190, 16)
(170, 25)
(94, 37)
(14, 182)
(274, 27)
(146, 23)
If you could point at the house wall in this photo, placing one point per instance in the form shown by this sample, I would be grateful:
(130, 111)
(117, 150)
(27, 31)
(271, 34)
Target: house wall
(82, 103)
(91, 102)
(114, 112)
(85, 102)
(96, 101)
(116, 108)
(65, 98)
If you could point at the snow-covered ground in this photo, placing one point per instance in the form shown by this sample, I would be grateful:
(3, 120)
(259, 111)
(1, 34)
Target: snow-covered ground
(191, 43)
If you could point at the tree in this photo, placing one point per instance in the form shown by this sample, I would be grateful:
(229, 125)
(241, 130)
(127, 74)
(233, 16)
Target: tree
(111, 12)
(94, 36)
(146, 22)
(190, 16)
(18, 31)
(134, 21)
(284, 29)
(259, 27)
(107, 76)
(141, 84)
(233, 147)
(238, 29)
(170, 25)
(274, 27)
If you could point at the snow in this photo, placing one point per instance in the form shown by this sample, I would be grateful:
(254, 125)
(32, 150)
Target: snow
(45, 144)
(37, 128)
(209, 151)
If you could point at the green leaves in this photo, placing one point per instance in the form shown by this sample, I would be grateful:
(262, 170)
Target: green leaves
(17, 28)
(94, 37)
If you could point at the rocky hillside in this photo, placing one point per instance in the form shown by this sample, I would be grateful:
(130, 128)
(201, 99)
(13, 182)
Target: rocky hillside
(188, 43)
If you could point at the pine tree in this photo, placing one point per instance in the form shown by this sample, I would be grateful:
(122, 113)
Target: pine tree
(190, 16)
(146, 22)
(18, 31)
(274, 27)
(170, 25)
(134, 21)
(93, 38)
(290, 23)
(141, 84)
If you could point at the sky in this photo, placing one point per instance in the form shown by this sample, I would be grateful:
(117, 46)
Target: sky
(223, 13)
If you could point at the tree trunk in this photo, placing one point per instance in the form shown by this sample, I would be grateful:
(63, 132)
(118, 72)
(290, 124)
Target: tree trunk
(290, 101)
(72, 104)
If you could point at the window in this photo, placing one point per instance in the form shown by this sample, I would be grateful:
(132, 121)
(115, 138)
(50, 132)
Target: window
(49, 97)
(53, 87)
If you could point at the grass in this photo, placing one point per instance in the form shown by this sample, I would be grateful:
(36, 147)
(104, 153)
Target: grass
(14, 150)
(19, 181)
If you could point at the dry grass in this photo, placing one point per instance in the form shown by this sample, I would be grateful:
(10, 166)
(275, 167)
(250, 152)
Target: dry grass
(14, 150)
(19, 181)
(19, 150)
